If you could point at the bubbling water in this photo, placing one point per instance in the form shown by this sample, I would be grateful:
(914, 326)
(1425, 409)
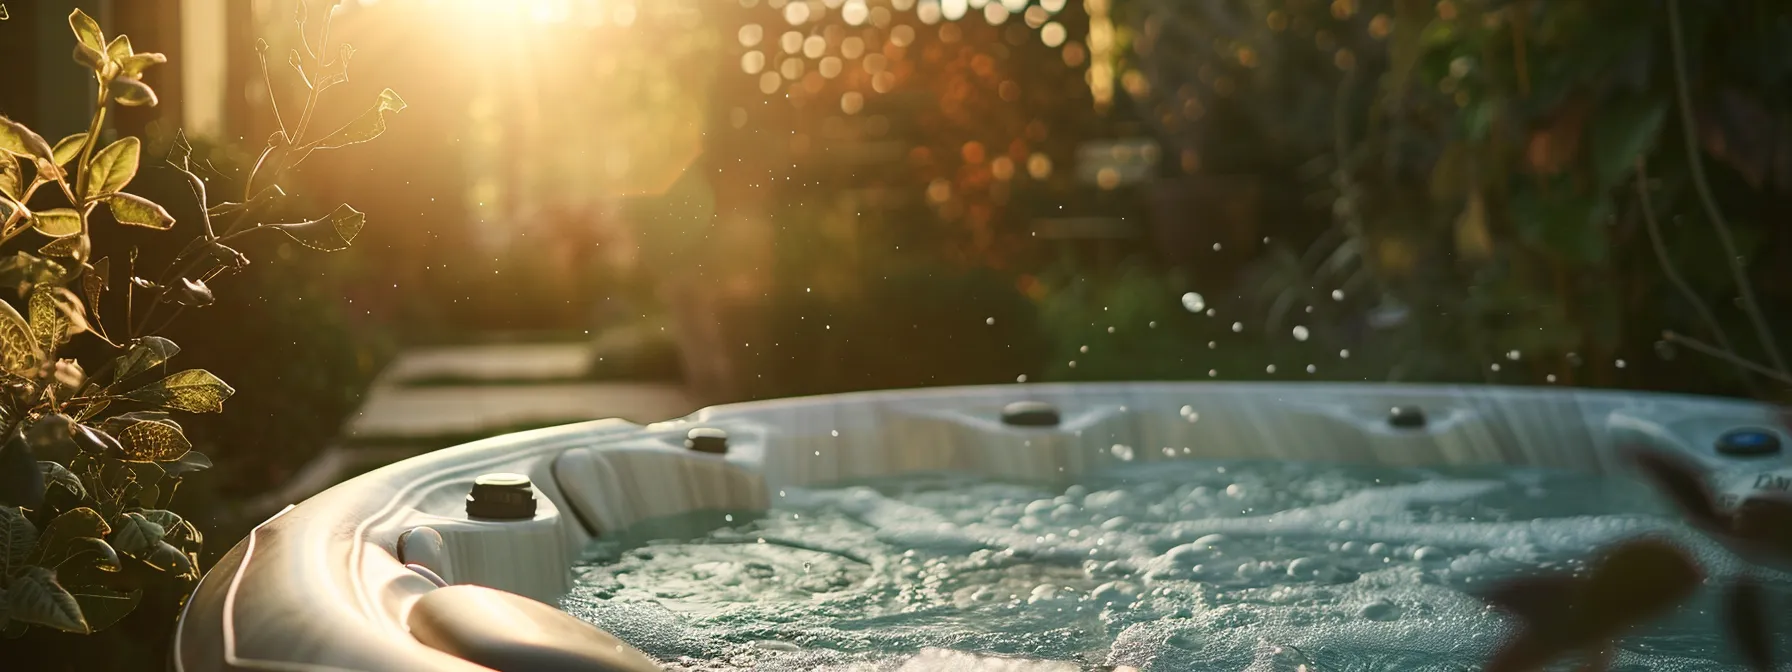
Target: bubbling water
(1184, 565)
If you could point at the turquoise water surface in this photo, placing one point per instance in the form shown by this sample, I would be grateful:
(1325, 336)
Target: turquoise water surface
(1188, 565)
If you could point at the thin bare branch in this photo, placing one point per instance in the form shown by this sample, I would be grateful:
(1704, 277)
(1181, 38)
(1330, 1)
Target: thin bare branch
(1667, 265)
(1732, 258)
(1714, 351)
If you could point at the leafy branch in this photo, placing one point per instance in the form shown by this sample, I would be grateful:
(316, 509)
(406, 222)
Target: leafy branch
(90, 462)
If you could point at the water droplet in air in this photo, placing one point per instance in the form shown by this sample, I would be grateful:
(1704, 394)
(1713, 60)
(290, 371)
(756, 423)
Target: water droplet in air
(1194, 302)
(1311, 368)
(1343, 354)
(1020, 378)
(1300, 333)
(1550, 377)
(1210, 312)
(989, 320)
(1494, 366)
(728, 517)
(1152, 324)
(834, 432)
(1122, 451)
(1620, 363)
(1269, 369)
(1190, 413)
(1083, 349)
(1237, 327)
(1110, 330)
(1512, 355)
(1211, 345)
(1337, 295)
(1211, 373)
(1216, 247)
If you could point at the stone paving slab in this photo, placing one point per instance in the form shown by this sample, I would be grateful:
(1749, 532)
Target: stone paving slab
(499, 362)
(410, 413)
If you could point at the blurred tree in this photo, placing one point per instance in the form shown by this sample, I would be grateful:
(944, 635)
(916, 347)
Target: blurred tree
(852, 147)
(1479, 162)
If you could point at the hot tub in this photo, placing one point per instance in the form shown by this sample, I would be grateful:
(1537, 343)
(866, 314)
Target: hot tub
(335, 582)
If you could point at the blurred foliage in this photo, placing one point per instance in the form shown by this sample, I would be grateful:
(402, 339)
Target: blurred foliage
(86, 533)
(916, 326)
(1472, 166)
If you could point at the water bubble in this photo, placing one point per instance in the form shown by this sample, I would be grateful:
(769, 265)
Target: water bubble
(1300, 333)
(1429, 554)
(1337, 295)
(1307, 568)
(1043, 593)
(1380, 610)
(1194, 302)
(1209, 542)
(1124, 452)
(1237, 327)
(1187, 639)
(1115, 594)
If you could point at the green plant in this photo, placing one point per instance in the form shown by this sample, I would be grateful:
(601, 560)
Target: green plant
(90, 462)
(1479, 162)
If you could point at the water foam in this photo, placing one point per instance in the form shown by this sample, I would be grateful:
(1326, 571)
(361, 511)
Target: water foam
(1166, 566)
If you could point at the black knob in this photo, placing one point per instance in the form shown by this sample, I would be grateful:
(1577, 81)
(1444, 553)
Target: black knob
(707, 440)
(1030, 414)
(1406, 417)
(1748, 442)
(501, 497)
